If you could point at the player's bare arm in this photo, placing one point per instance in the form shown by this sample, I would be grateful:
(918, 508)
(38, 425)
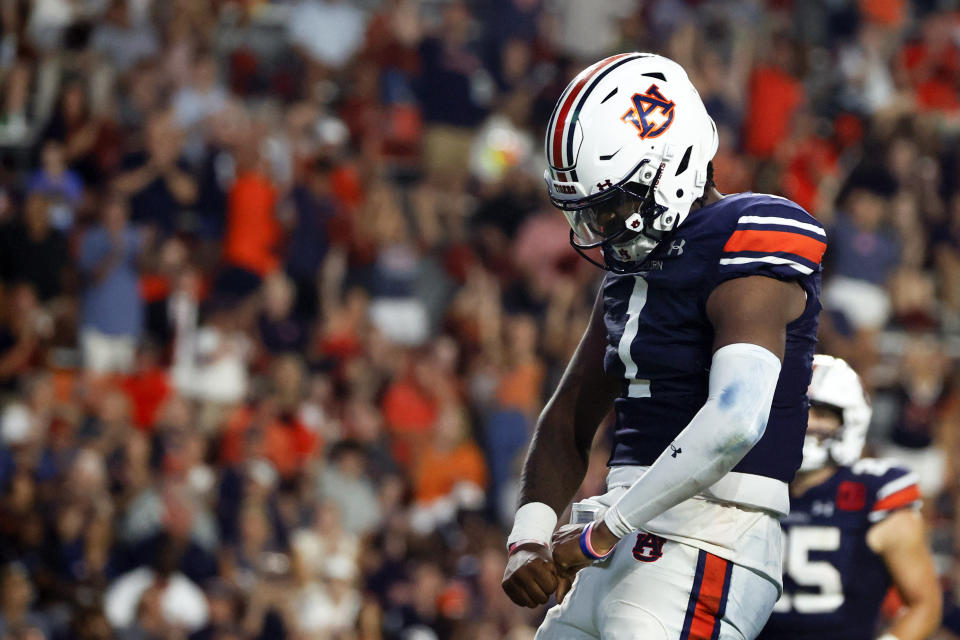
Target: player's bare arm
(754, 310)
(557, 460)
(900, 540)
(745, 312)
(569, 422)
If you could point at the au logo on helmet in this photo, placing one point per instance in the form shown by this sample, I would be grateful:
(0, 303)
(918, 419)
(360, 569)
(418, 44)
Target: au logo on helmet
(642, 115)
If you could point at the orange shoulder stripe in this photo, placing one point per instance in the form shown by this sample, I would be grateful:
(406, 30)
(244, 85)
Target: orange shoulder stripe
(899, 499)
(773, 241)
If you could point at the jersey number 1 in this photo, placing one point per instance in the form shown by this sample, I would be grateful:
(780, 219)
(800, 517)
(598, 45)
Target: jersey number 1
(638, 388)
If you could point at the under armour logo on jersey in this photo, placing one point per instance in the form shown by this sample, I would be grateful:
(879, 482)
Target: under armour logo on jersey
(604, 185)
(649, 548)
(676, 451)
(644, 115)
(678, 247)
(822, 508)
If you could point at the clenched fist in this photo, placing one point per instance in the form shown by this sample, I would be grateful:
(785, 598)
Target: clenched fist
(530, 576)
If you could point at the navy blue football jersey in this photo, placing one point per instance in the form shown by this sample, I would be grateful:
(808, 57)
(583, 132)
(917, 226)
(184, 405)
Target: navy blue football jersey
(660, 341)
(833, 583)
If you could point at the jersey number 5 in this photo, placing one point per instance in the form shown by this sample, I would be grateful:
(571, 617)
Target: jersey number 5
(822, 575)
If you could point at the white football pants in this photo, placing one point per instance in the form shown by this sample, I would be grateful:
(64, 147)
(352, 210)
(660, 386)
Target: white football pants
(651, 588)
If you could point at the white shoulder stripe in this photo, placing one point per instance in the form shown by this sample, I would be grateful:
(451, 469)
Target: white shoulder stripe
(787, 222)
(896, 485)
(877, 516)
(769, 260)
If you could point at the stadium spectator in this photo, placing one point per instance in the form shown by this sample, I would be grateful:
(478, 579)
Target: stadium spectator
(925, 412)
(62, 187)
(863, 256)
(156, 178)
(281, 329)
(451, 474)
(112, 317)
(121, 39)
(16, 127)
(89, 142)
(33, 251)
(199, 100)
(253, 232)
(23, 332)
(774, 96)
(342, 22)
(344, 482)
(16, 614)
(454, 90)
(157, 600)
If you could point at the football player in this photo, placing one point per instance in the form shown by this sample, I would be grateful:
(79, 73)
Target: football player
(701, 342)
(853, 529)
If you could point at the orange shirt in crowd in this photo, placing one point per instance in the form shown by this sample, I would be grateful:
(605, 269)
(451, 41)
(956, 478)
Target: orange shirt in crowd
(934, 73)
(440, 471)
(409, 414)
(287, 445)
(253, 233)
(774, 95)
(811, 160)
(407, 409)
(888, 13)
(520, 387)
(147, 391)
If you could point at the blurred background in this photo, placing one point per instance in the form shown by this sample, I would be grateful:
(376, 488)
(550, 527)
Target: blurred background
(281, 294)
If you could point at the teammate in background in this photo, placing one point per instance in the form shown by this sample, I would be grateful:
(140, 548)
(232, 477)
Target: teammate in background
(853, 529)
(701, 341)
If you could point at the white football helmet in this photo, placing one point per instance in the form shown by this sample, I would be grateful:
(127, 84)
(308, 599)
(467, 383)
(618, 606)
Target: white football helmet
(627, 147)
(835, 384)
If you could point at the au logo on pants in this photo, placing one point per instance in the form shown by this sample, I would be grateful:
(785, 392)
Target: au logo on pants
(649, 547)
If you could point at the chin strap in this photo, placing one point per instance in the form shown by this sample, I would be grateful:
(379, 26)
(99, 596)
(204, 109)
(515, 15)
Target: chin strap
(613, 265)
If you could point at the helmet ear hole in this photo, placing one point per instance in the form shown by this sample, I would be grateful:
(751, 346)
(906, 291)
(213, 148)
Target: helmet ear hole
(684, 161)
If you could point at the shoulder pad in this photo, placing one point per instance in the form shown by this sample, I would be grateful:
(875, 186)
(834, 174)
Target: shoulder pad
(892, 486)
(777, 234)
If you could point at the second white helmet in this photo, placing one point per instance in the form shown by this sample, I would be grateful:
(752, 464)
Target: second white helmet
(835, 384)
(629, 131)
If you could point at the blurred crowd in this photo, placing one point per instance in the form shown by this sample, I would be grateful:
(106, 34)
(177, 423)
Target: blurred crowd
(281, 294)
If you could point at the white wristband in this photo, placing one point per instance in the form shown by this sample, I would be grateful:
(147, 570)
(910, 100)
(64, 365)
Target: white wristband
(888, 636)
(534, 522)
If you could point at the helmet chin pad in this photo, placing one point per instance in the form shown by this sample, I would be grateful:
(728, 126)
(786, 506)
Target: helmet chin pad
(816, 453)
(649, 224)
